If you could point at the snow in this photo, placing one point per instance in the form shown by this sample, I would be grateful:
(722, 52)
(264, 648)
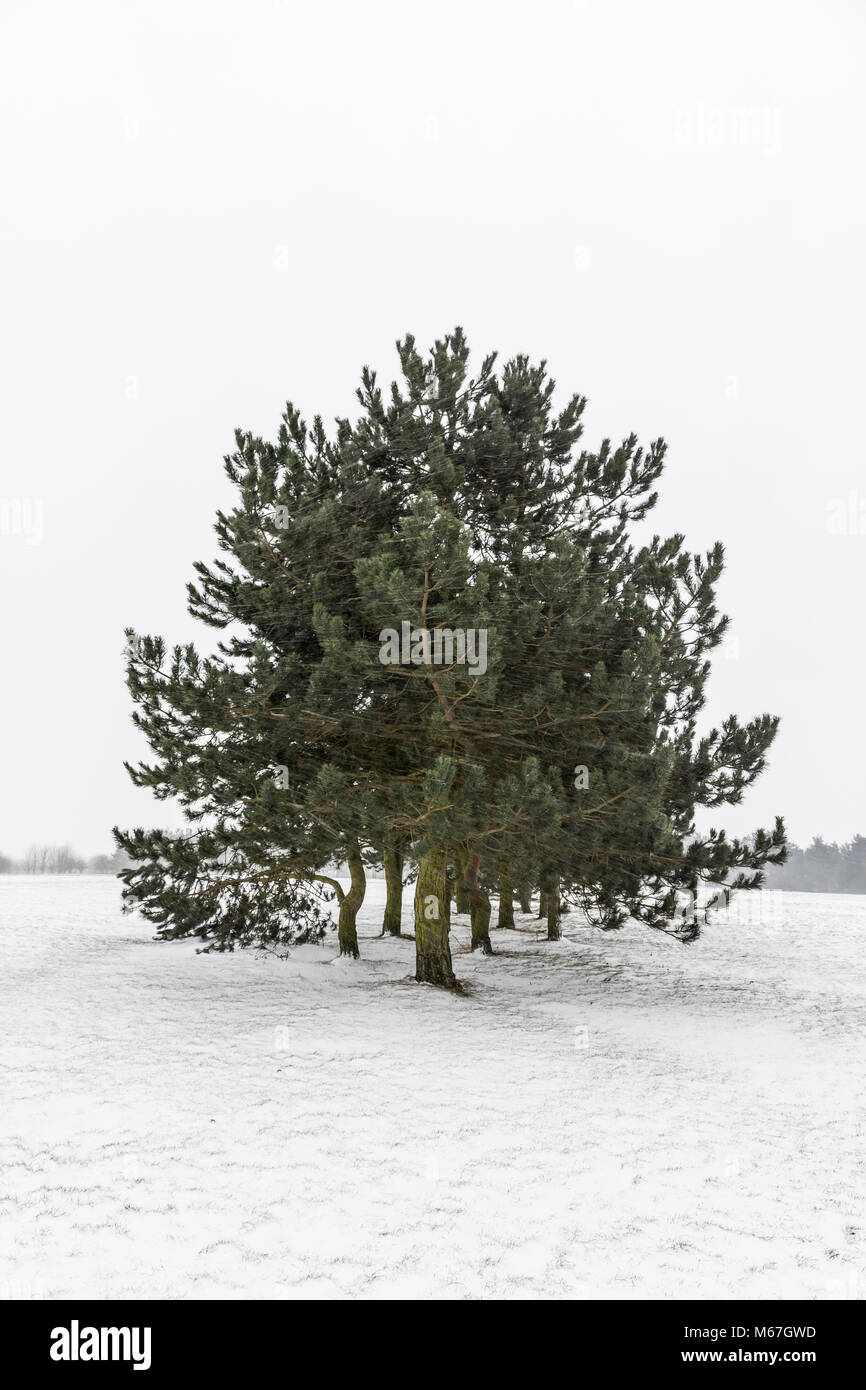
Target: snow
(612, 1116)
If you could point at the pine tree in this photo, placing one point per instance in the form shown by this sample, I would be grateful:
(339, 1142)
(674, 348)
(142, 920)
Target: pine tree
(625, 634)
(271, 803)
(572, 759)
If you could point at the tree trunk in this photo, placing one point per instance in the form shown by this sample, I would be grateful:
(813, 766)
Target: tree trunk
(542, 903)
(461, 896)
(524, 894)
(350, 903)
(432, 948)
(506, 896)
(479, 907)
(392, 921)
(553, 929)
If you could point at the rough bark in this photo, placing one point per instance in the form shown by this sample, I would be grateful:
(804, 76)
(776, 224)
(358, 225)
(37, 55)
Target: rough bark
(479, 907)
(351, 902)
(542, 903)
(505, 917)
(524, 894)
(392, 920)
(553, 928)
(461, 896)
(432, 948)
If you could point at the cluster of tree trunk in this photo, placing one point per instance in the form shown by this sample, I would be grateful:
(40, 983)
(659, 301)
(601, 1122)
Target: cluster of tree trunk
(441, 878)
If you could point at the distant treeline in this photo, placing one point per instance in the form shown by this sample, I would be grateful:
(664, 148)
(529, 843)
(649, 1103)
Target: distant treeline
(62, 859)
(822, 868)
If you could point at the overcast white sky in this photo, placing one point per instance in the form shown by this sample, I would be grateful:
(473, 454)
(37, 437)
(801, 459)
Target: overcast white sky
(211, 207)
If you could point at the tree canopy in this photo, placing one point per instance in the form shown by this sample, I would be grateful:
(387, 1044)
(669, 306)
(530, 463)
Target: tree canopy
(443, 649)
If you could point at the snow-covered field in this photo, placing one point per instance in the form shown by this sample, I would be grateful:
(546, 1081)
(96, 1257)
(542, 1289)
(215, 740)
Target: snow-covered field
(615, 1116)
